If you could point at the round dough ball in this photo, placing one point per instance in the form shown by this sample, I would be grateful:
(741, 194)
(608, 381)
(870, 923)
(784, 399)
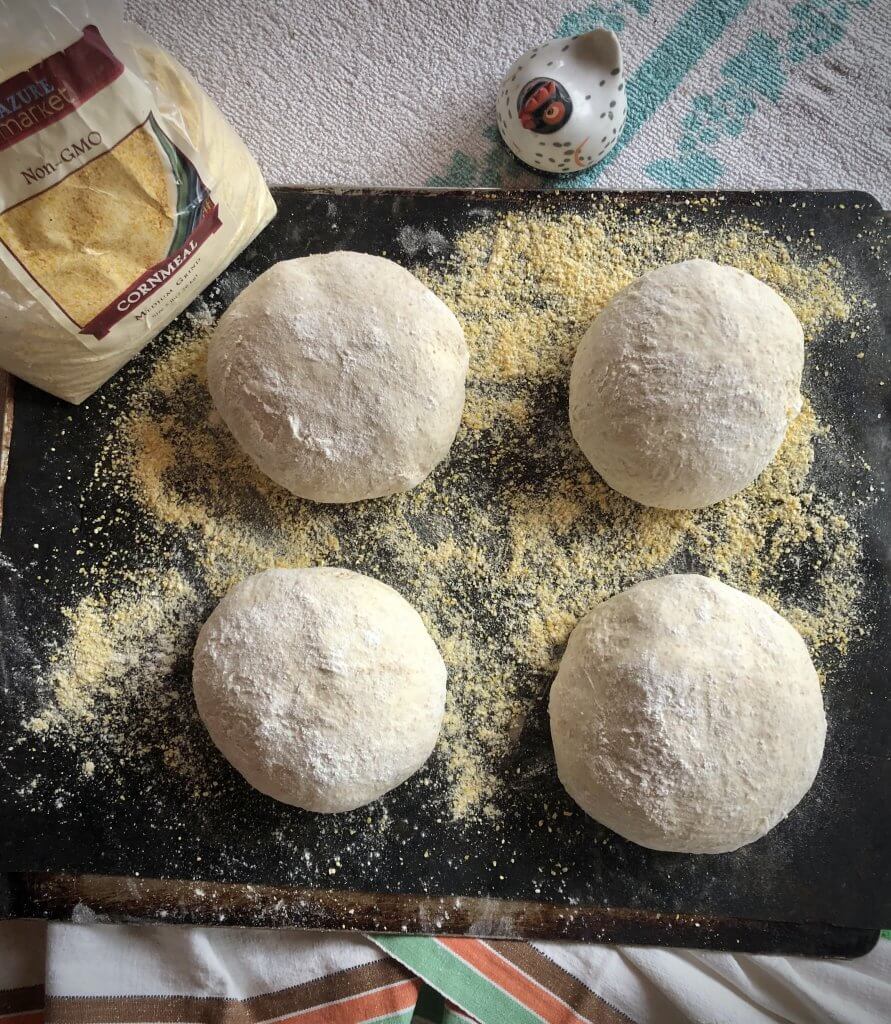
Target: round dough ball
(687, 716)
(321, 686)
(683, 388)
(340, 375)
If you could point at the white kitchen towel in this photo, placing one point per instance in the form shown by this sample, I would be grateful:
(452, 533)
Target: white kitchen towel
(661, 986)
(134, 973)
(722, 93)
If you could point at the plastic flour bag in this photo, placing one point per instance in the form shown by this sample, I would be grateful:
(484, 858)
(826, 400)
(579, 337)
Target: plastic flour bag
(123, 192)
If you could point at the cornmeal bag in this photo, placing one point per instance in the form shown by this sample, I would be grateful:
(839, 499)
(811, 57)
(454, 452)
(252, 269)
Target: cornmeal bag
(123, 192)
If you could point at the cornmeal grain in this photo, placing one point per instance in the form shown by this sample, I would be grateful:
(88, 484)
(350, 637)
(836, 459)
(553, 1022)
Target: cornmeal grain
(84, 249)
(502, 549)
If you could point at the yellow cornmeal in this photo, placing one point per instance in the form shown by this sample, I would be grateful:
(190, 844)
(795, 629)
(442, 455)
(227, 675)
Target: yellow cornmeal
(501, 550)
(87, 238)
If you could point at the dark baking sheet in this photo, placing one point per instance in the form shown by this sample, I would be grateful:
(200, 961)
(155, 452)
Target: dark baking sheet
(829, 862)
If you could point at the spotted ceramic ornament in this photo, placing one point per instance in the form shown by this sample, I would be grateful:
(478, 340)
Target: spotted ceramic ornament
(562, 105)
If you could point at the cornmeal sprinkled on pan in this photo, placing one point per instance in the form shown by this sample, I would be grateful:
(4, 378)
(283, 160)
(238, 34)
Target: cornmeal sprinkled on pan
(501, 550)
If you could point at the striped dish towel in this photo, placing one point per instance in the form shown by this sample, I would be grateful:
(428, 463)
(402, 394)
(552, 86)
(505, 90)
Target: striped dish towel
(136, 974)
(117, 973)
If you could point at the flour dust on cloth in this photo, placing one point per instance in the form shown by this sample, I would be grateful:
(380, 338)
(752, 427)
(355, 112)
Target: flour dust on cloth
(173, 973)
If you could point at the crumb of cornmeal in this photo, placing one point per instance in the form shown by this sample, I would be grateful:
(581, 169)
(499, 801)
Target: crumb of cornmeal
(501, 550)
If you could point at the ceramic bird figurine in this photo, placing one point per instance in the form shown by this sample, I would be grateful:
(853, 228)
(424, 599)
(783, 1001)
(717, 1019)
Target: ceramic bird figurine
(562, 105)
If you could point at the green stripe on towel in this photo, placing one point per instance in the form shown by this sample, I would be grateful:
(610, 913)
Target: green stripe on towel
(459, 982)
(692, 35)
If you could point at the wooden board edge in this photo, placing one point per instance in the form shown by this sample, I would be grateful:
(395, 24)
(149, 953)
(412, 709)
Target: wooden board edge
(7, 393)
(114, 898)
(632, 194)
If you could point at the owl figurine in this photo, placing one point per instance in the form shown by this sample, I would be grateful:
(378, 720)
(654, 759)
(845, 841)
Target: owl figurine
(562, 105)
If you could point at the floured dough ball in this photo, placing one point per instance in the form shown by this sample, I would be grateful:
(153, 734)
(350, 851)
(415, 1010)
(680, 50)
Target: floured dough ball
(321, 686)
(687, 716)
(340, 375)
(683, 388)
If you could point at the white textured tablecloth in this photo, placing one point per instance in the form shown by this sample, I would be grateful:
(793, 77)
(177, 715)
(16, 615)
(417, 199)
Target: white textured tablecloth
(745, 93)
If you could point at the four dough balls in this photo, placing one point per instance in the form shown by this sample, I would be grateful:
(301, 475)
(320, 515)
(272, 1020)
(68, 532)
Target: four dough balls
(687, 716)
(340, 375)
(683, 387)
(321, 686)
